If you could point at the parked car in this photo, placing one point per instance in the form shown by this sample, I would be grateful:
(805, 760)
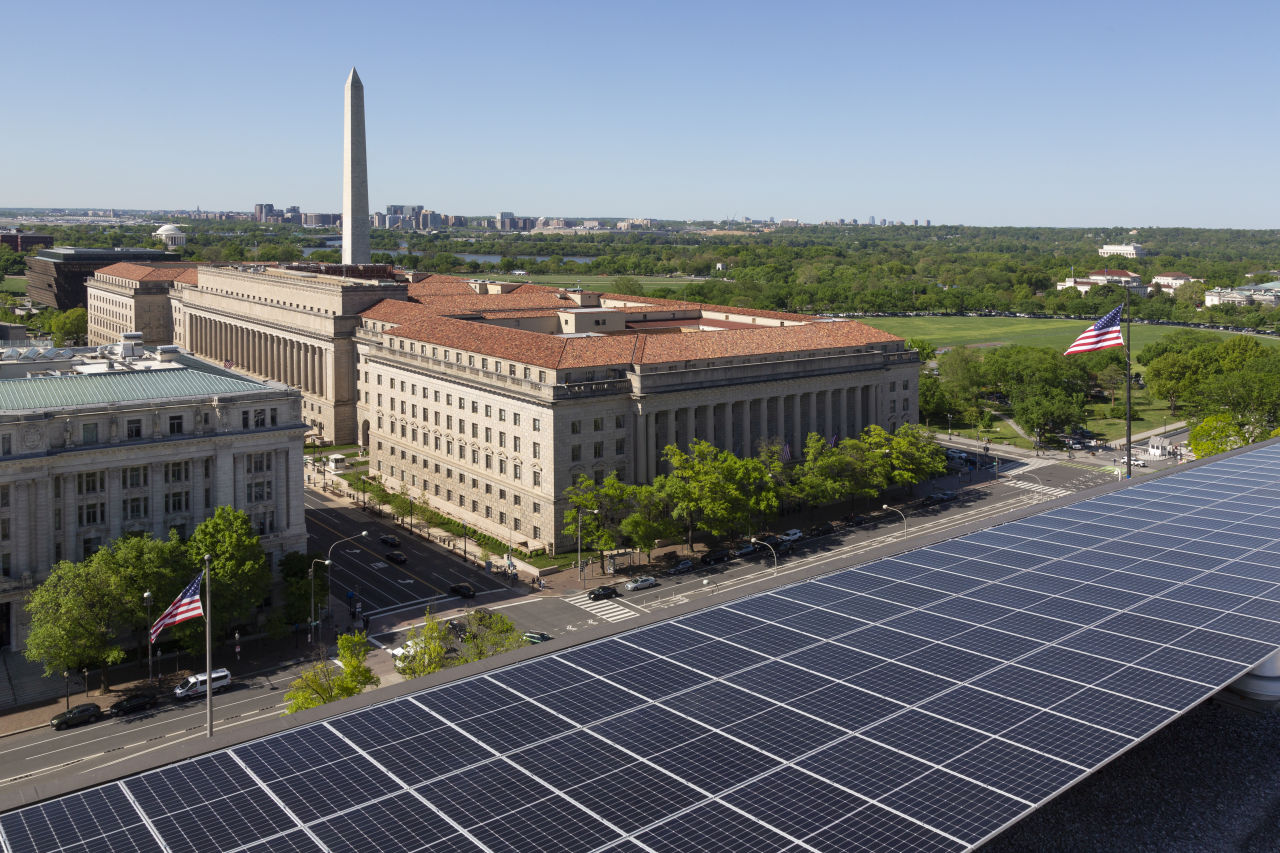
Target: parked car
(397, 557)
(74, 716)
(390, 539)
(856, 519)
(823, 529)
(746, 549)
(602, 592)
(536, 636)
(1137, 463)
(195, 685)
(682, 567)
(463, 590)
(940, 498)
(795, 534)
(134, 702)
(719, 555)
(643, 582)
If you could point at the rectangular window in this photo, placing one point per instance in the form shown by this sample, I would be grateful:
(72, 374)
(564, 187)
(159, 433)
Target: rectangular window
(537, 425)
(133, 428)
(4, 496)
(618, 421)
(259, 418)
(4, 530)
(175, 424)
(597, 450)
(537, 478)
(542, 376)
(6, 442)
(515, 443)
(597, 424)
(575, 453)
(177, 502)
(620, 446)
(488, 436)
(515, 418)
(575, 427)
(244, 419)
(502, 466)
(88, 433)
(537, 450)
(488, 461)
(134, 477)
(515, 471)
(488, 411)
(537, 508)
(537, 532)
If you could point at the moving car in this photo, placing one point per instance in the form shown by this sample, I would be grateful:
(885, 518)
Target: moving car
(536, 636)
(602, 592)
(641, 583)
(719, 555)
(134, 702)
(74, 716)
(795, 534)
(194, 685)
(390, 539)
(397, 557)
(685, 565)
(463, 590)
(747, 549)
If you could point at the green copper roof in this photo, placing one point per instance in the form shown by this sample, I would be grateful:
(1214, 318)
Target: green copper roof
(53, 392)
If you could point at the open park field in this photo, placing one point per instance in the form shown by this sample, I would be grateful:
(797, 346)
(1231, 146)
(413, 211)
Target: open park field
(14, 284)
(944, 332)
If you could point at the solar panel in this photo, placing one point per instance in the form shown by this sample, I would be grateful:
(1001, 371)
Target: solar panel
(920, 702)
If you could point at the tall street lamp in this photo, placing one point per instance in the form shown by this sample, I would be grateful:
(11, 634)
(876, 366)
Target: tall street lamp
(311, 618)
(582, 570)
(756, 541)
(328, 579)
(901, 513)
(146, 596)
(948, 425)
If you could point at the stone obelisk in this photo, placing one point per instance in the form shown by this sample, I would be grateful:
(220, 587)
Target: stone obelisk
(355, 176)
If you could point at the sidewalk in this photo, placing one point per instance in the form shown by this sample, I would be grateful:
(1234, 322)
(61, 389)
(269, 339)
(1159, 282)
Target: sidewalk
(980, 447)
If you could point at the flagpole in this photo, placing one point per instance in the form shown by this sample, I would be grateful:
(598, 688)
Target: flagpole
(208, 648)
(1128, 390)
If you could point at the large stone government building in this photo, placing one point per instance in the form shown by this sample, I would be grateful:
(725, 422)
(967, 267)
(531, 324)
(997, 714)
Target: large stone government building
(487, 399)
(97, 443)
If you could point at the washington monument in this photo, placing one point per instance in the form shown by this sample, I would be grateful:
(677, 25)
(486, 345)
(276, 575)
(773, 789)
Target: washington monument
(355, 176)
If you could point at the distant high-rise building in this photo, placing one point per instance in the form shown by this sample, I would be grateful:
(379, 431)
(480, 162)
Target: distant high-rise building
(928, 222)
(261, 212)
(355, 176)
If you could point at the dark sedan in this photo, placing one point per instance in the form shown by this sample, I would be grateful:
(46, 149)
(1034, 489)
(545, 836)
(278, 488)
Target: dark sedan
(390, 539)
(602, 592)
(77, 714)
(134, 702)
(397, 557)
(463, 590)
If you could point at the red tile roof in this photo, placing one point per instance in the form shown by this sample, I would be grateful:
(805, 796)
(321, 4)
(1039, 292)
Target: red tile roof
(152, 272)
(436, 316)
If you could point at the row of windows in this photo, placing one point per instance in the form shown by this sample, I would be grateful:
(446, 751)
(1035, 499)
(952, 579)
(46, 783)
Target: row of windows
(90, 433)
(597, 425)
(456, 358)
(597, 450)
(410, 410)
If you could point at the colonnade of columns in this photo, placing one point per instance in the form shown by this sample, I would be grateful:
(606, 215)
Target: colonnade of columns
(740, 425)
(277, 357)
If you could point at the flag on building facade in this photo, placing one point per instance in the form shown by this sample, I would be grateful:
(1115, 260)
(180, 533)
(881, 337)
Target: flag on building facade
(786, 452)
(185, 606)
(1101, 335)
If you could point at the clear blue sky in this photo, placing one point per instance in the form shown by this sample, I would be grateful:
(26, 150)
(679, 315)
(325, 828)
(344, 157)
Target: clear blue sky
(989, 113)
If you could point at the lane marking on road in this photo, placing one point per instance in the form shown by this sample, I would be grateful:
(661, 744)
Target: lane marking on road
(1052, 491)
(606, 609)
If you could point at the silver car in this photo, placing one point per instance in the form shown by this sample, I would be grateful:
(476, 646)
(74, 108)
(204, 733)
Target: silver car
(640, 583)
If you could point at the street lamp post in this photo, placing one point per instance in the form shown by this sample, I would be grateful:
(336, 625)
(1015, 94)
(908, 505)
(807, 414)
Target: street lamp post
(901, 513)
(66, 682)
(85, 673)
(948, 425)
(756, 541)
(311, 618)
(328, 578)
(146, 596)
(582, 570)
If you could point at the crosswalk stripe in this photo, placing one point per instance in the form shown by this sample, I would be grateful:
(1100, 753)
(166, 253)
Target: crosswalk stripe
(1036, 487)
(604, 609)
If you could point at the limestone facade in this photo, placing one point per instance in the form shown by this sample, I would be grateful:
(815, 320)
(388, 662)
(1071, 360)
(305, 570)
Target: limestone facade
(488, 431)
(289, 326)
(162, 448)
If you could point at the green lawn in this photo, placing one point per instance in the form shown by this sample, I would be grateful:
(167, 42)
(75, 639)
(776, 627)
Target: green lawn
(15, 284)
(996, 331)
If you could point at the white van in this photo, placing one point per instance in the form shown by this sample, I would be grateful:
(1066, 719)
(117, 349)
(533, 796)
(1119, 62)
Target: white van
(194, 685)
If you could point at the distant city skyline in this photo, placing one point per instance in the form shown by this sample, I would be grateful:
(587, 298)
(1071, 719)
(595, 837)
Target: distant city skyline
(999, 114)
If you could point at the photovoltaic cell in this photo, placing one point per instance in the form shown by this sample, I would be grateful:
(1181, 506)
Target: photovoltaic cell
(1011, 660)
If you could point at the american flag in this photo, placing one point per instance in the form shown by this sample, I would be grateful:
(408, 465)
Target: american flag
(184, 607)
(1101, 335)
(786, 452)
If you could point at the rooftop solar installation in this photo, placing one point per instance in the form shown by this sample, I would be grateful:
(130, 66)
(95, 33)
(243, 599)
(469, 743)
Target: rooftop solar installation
(918, 703)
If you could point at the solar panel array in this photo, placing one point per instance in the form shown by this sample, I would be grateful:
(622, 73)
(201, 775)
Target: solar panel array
(921, 702)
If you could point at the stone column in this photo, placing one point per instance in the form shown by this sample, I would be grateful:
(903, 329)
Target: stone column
(814, 426)
(728, 426)
(797, 428)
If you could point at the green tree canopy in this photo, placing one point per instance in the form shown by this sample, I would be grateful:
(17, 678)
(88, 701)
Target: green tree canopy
(425, 647)
(241, 576)
(326, 682)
